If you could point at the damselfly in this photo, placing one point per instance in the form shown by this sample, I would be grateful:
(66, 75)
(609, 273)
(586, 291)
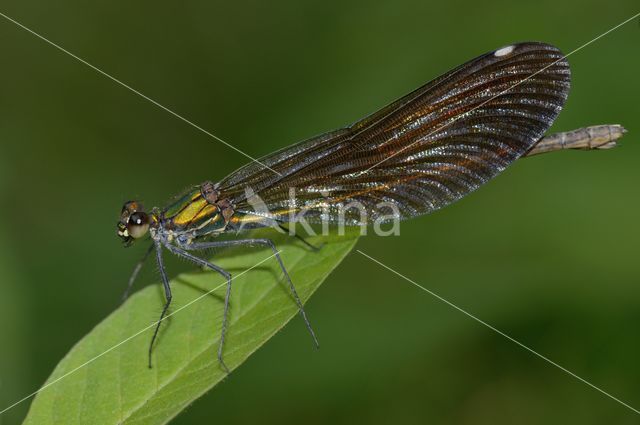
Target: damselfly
(418, 154)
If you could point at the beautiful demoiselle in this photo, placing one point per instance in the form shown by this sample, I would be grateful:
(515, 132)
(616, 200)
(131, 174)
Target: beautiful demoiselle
(416, 155)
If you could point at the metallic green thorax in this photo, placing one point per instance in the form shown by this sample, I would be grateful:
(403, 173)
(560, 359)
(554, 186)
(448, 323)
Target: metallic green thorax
(198, 210)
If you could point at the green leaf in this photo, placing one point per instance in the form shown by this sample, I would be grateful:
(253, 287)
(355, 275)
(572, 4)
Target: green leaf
(119, 388)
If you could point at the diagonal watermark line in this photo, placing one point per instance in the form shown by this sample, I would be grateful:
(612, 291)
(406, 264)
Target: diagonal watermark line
(442, 127)
(131, 337)
(112, 78)
(498, 331)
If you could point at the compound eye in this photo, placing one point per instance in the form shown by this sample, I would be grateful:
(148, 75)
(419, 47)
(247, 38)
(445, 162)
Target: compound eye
(138, 225)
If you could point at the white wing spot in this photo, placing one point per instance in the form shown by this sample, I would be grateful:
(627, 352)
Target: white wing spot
(504, 51)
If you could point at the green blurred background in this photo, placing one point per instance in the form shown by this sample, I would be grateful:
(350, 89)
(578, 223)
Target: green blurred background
(548, 252)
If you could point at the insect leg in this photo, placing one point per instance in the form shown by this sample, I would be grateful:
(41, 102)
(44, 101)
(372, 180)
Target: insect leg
(261, 242)
(136, 270)
(301, 239)
(167, 293)
(199, 261)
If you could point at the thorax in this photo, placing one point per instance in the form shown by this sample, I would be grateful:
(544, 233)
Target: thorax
(194, 214)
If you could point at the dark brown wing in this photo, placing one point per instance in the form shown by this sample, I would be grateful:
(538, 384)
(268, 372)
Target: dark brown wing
(422, 152)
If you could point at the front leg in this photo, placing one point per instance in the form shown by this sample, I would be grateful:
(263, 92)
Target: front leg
(167, 293)
(136, 271)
